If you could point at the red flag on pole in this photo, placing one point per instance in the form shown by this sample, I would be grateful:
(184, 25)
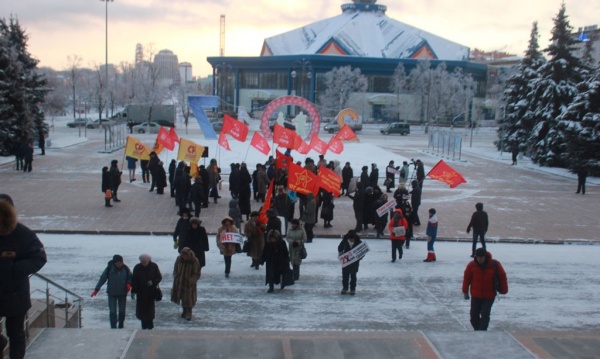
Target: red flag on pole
(318, 145)
(284, 137)
(346, 134)
(262, 217)
(300, 145)
(223, 141)
(173, 134)
(444, 173)
(300, 180)
(329, 181)
(281, 160)
(260, 143)
(235, 128)
(164, 139)
(335, 145)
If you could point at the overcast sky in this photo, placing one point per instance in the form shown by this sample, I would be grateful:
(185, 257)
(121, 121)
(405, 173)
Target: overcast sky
(190, 28)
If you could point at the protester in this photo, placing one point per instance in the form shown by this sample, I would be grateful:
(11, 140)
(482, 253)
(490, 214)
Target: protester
(185, 276)
(415, 201)
(115, 179)
(183, 186)
(431, 232)
(483, 277)
(198, 241)
(235, 213)
(296, 237)
(131, 164)
(327, 208)
(106, 187)
(420, 174)
(380, 221)
(234, 180)
(144, 287)
(214, 178)
(256, 239)
(309, 216)
(374, 175)
(273, 222)
(404, 172)
(152, 165)
(582, 174)
(261, 183)
(172, 169)
(161, 178)
(227, 249)
(182, 231)
(22, 254)
(350, 240)
(197, 195)
(358, 199)
(145, 172)
(28, 157)
(401, 196)
(118, 276)
(275, 255)
(409, 219)
(479, 223)
(347, 175)
(245, 191)
(390, 176)
(398, 226)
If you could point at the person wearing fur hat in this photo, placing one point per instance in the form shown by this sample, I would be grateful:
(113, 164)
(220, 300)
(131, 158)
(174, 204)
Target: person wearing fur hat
(198, 240)
(21, 254)
(254, 233)
(483, 277)
(226, 249)
(118, 278)
(115, 179)
(185, 276)
(145, 279)
(431, 232)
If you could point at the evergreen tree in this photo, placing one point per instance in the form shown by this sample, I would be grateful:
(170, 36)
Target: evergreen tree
(517, 123)
(552, 93)
(22, 89)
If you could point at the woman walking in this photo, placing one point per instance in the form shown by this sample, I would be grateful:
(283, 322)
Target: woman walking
(185, 275)
(296, 237)
(198, 241)
(398, 226)
(275, 255)
(227, 249)
(144, 283)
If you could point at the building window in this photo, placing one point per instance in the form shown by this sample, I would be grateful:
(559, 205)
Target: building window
(249, 80)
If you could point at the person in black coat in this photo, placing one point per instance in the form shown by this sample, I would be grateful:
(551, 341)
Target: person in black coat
(161, 178)
(106, 186)
(364, 178)
(115, 179)
(22, 255)
(390, 176)
(374, 176)
(358, 201)
(582, 174)
(420, 174)
(408, 214)
(369, 199)
(183, 187)
(234, 180)
(152, 166)
(172, 168)
(28, 157)
(479, 222)
(401, 196)
(347, 175)
(197, 196)
(145, 172)
(273, 222)
(205, 180)
(198, 240)
(181, 233)
(380, 222)
(275, 254)
(415, 201)
(144, 281)
(178, 173)
(245, 192)
(327, 208)
(350, 240)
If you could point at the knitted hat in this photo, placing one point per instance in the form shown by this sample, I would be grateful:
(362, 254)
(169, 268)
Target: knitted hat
(480, 252)
(117, 258)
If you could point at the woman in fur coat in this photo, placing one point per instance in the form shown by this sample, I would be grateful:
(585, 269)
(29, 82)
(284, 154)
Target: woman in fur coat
(185, 275)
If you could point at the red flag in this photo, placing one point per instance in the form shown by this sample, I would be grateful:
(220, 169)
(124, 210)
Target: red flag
(335, 145)
(164, 139)
(281, 160)
(284, 136)
(346, 134)
(262, 217)
(444, 173)
(223, 141)
(173, 134)
(300, 180)
(329, 181)
(235, 128)
(300, 145)
(260, 143)
(318, 145)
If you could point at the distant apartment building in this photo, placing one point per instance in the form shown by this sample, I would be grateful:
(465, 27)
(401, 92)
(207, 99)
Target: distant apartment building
(185, 72)
(167, 66)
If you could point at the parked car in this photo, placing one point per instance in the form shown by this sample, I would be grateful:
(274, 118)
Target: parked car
(97, 123)
(335, 127)
(396, 127)
(146, 127)
(165, 123)
(78, 122)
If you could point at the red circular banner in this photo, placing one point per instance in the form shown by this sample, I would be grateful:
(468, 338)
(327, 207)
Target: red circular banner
(304, 104)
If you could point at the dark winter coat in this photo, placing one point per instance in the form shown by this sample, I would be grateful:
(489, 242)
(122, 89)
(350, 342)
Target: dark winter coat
(182, 233)
(480, 279)
(234, 180)
(277, 260)
(117, 279)
(21, 254)
(197, 192)
(364, 179)
(420, 173)
(310, 212)
(255, 237)
(245, 193)
(479, 221)
(374, 177)
(198, 243)
(183, 187)
(106, 181)
(262, 181)
(143, 283)
(235, 213)
(172, 167)
(273, 223)
(186, 273)
(161, 178)
(401, 195)
(327, 206)
(153, 164)
(415, 194)
(344, 247)
(115, 176)
(347, 175)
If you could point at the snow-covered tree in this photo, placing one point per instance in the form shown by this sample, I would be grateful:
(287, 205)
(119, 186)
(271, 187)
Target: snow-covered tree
(398, 86)
(552, 92)
(518, 121)
(340, 83)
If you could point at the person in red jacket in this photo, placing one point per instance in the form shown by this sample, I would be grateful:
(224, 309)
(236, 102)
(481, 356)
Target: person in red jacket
(397, 226)
(485, 276)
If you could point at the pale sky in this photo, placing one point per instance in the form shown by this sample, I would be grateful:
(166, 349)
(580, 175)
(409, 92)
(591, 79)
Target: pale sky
(190, 28)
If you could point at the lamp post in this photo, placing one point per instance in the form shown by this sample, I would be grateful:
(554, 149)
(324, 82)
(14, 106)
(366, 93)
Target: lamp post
(305, 68)
(106, 50)
(222, 72)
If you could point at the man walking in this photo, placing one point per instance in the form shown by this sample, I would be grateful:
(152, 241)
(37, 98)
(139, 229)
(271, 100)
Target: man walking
(479, 223)
(484, 276)
(118, 277)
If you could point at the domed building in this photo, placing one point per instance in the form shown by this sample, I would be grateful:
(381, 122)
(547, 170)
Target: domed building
(362, 36)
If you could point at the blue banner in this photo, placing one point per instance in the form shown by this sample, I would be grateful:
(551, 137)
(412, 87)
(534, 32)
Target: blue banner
(197, 104)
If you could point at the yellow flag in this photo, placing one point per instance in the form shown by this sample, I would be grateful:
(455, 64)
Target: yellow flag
(136, 149)
(157, 147)
(193, 170)
(189, 151)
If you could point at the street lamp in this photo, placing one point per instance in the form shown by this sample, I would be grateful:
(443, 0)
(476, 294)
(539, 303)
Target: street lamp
(222, 72)
(306, 73)
(106, 50)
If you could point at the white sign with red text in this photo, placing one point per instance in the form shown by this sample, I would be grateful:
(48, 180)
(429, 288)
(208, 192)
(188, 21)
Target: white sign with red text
(230, 237)
(355, 254)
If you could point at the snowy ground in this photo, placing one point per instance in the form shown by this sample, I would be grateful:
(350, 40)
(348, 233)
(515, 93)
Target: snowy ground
(551, 287)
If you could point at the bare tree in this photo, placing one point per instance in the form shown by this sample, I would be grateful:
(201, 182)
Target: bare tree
(72, 69)
(341, 82)
(149, 89)
(398, 86)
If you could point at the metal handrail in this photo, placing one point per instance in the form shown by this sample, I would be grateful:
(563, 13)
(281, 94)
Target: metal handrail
(78, 300)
